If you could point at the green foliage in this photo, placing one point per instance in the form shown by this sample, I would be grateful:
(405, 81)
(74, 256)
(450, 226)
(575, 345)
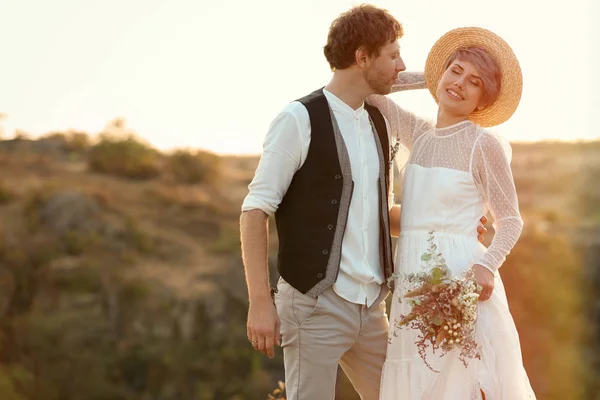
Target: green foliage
(11, 380)
(26, 257)
(75, 141)
(124, 156)
(78, 141)
(86, 316)
(136, 238)
(6, 194)
(228, 241)
(82, 327)
(192, 167)
(543, 280)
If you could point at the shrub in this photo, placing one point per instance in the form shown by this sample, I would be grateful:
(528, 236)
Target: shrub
(124, 156)
(6, 194)
(73, 140)
(77, 141)
(228, 242)
(191, 167)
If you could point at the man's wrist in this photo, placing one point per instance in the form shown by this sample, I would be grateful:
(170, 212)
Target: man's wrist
(261, 298)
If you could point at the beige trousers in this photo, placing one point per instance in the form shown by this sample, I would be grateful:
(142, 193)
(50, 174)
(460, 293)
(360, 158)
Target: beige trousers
(317, 334)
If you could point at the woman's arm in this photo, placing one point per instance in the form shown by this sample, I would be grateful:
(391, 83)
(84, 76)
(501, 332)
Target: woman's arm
(493, 176)
(409, 81)
(403, 124)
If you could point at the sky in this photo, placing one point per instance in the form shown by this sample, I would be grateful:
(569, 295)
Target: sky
(213, 75)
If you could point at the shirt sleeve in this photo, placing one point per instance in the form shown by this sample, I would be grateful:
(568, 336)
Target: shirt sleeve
(493, 177)
(284, 151)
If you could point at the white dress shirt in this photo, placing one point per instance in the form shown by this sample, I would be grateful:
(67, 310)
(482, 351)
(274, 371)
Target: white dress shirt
(284, 152)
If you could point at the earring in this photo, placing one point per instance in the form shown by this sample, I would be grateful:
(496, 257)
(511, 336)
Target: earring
(479, 108)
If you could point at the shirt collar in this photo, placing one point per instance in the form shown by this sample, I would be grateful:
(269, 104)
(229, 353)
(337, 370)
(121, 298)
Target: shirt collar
(338, 105)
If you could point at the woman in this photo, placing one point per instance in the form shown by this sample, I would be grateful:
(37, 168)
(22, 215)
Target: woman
(456, 172)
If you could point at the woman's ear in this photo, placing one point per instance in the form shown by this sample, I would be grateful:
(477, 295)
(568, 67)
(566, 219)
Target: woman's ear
(482, 106)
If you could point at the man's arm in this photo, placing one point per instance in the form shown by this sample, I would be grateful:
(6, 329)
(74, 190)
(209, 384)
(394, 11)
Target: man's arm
(263, 322)
(255, 243)
(283, 151)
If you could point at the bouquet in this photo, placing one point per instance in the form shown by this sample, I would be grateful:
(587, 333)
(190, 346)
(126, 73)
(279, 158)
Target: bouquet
(443, 308)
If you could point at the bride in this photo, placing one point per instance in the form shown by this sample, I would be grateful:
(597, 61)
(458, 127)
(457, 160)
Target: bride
(456, 172)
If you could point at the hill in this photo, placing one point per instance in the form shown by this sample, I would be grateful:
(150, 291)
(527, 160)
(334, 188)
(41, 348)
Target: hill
(121, 278)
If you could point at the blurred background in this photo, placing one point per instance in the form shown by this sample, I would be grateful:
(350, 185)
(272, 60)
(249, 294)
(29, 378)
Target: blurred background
(129, 131)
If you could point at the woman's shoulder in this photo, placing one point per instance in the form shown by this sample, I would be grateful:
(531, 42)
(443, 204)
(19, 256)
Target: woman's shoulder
(426, 124)
(492, 142)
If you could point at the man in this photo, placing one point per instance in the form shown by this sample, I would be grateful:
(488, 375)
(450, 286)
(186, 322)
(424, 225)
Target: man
(325, 174)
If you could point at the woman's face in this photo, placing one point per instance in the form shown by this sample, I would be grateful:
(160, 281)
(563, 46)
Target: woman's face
(460, 89)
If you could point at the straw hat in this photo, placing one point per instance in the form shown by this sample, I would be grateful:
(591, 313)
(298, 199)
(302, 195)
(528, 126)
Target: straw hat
(512, 80)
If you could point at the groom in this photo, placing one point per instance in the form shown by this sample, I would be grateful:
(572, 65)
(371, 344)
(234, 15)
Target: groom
(325, 173)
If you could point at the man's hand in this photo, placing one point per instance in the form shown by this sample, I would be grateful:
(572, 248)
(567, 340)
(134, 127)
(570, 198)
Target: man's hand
(263, 326)
(485, 279)
(481, 231)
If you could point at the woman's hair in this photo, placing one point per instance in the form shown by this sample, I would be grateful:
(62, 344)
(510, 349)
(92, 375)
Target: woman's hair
(362, 26)
(488, 69)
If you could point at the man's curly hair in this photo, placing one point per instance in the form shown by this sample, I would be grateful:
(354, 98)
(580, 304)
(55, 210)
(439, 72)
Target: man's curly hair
(362, 26)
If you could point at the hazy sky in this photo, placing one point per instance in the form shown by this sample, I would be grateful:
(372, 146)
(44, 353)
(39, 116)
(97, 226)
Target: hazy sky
(214, 74)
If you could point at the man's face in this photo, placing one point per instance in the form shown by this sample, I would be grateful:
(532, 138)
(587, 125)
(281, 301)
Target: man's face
(381, 71)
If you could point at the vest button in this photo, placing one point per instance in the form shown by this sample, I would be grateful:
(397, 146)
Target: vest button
(320, 275)
(334, 201)
(325, 252)
(338, 176)
(330, 226)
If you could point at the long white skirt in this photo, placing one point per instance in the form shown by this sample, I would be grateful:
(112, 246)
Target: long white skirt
(499, 373)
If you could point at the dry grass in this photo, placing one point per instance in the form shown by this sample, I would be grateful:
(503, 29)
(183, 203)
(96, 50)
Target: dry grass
(181, 234)
(174, 229)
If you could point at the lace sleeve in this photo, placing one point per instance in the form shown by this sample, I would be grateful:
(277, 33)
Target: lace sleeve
(403, 124)
(490, 166)
(409, 81)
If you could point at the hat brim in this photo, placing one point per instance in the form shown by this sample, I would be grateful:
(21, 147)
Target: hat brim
(512, 79)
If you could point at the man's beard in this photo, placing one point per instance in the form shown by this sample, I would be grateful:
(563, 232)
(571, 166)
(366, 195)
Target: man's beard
(377, 81)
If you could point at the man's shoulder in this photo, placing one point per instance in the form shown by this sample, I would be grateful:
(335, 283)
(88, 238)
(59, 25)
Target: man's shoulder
(295, 109)
(313, 96)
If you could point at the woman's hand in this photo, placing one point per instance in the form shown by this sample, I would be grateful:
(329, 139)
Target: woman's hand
(485, 280)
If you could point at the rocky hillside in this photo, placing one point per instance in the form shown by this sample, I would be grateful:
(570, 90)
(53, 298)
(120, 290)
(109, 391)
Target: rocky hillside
(121, 278)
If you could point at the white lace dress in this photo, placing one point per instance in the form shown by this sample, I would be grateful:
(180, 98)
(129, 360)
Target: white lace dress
(454, 176)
